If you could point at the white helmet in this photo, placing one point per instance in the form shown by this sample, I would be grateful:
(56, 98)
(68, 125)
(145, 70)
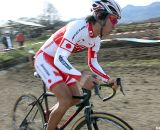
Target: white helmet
(107, 6)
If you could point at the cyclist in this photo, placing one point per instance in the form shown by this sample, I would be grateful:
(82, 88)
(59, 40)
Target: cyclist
(51, 61)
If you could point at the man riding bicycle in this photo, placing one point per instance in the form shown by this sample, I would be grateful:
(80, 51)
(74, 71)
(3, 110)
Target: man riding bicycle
(51, 61)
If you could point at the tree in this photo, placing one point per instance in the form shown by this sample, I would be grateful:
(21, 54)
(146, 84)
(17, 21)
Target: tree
(49, 16)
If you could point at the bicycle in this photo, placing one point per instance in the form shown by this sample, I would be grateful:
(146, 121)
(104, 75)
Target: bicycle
(35, 118)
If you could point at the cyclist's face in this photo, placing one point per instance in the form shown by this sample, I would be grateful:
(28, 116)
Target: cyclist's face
(113, 19)
(111, 22)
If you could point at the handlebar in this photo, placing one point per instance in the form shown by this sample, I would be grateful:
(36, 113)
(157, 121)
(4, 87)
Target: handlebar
(99, 86)
(87, 93)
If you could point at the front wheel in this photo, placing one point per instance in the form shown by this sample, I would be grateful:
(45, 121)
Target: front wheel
(28, 114)
(102, 121)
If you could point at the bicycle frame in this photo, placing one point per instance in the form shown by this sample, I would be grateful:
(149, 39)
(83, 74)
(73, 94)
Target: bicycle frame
(85, 104)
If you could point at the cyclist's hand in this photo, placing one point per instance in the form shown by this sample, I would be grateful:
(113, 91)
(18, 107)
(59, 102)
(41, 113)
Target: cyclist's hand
(87, 81)
(113, 83)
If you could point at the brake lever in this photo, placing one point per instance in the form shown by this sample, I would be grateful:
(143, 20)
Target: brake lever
(120, 85)
(97, 88)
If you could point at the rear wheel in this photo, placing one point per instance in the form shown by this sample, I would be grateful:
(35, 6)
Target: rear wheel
(28, 114)
(102, 121)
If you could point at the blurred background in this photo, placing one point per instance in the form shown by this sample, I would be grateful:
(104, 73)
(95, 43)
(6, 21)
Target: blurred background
(131, 51)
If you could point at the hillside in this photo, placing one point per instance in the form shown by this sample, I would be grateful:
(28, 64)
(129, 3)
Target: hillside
(153, 20)
(132, 13)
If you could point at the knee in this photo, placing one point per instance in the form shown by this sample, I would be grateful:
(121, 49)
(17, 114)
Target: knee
(88, 84)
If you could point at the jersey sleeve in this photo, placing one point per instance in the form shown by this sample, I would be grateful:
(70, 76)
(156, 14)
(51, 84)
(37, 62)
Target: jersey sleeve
(94, 65)
(61, 57)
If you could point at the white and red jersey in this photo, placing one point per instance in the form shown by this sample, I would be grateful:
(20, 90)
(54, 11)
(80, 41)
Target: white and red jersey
(72, 38)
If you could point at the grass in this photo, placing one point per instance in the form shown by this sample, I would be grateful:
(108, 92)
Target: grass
(136, 27)
(10, 55)
(13, 54)
(132, 63)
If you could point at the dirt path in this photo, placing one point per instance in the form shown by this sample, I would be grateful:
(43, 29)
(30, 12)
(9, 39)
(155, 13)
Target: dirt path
(140, 107)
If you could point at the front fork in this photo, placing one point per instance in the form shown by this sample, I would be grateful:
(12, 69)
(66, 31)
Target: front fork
(88, 112)
(90, 121)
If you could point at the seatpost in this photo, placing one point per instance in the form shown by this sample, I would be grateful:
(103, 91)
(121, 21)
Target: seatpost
(46, 101)
(44, 87)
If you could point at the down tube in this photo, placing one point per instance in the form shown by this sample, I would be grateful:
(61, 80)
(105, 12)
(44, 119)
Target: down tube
(71, 117)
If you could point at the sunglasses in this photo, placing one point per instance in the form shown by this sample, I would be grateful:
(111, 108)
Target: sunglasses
(113, 19)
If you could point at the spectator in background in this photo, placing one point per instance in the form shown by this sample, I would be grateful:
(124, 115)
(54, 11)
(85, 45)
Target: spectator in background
(6, 40)
(20, 38)
(9, 41)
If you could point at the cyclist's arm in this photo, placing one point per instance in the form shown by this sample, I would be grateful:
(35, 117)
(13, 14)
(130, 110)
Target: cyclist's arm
(61, 57)
(94, 65)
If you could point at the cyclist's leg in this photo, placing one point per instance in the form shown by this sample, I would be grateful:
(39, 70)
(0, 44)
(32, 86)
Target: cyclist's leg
(55, 83)
(65, 101)
(53, 107)
(73, 87)
(64, 95)
(87, 82)
(75, 92)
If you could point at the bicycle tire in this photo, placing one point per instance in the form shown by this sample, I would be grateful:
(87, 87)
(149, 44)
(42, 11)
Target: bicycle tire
(28, 114)
(107, 122)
